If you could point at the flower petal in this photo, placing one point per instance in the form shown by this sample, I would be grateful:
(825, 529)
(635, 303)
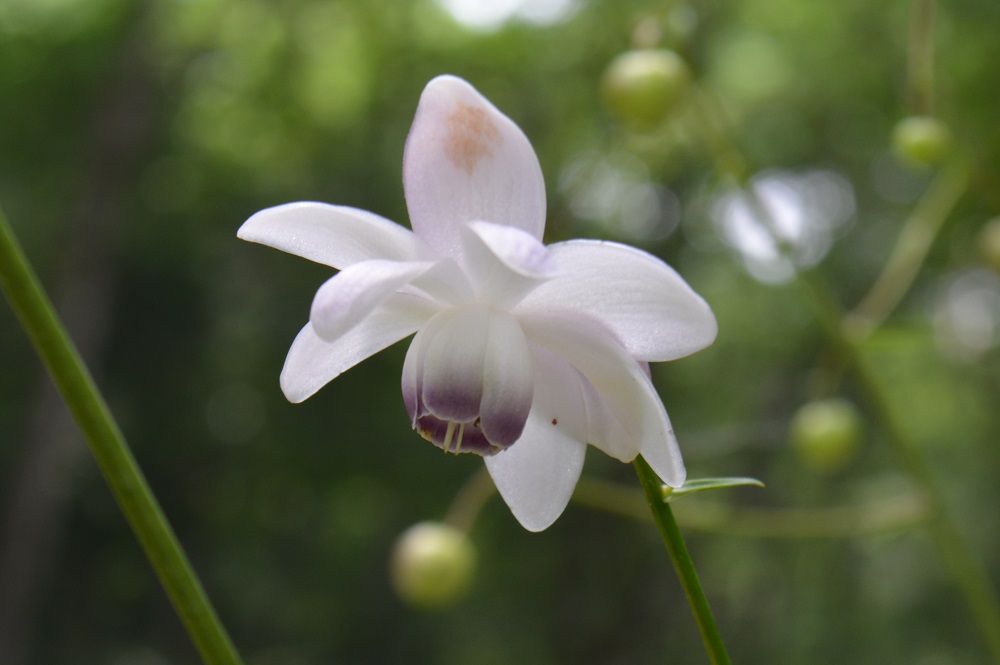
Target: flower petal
(517, 250)
(536, 476)
(504, 263)
(472, 366)
(350, 295)
(313, 362)
(336, 236)
(452, 386)
(445, 283)
(413, 366)
(559, 394)
(624, 413)
(508, 381)
(642, 300)
(464, 161)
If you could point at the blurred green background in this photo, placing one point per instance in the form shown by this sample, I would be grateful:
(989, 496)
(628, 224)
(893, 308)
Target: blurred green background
(135, 138)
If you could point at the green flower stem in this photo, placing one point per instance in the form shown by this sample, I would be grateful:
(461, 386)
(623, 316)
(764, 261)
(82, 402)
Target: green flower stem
(845, 330)
(469, 501)
(664, 518)
(33, 308)
(969, 576)
(908, 256)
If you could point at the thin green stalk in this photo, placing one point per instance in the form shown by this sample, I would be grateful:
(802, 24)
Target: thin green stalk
(844, 330)
(33, 308)
(971, 579)
(908, 256)
(674, 541)
(920, 57)
(469, 501)
(711, 119)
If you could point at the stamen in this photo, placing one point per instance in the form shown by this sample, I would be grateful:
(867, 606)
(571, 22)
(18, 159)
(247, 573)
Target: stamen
(447, 436)
(461, 433)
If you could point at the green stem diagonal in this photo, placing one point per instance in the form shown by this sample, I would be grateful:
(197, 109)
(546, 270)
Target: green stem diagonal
(664, 518)
(968, 574)
(36, 314)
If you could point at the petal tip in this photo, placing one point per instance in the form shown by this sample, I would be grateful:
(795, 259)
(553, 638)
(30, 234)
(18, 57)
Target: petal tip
(292, 393)
(253, 230)
(247, 228)
(447, 80)
(536, 526)
(536, 476)
(666, 462)
(464, 159)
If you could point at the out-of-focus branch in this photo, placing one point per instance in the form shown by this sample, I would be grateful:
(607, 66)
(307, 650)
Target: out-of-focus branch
(920, 60)
(908, 256)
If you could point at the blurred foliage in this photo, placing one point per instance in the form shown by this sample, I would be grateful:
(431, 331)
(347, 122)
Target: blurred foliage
(135, 137)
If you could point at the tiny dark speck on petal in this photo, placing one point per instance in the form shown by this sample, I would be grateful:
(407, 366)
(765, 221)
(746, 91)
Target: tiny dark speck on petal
(555, 421)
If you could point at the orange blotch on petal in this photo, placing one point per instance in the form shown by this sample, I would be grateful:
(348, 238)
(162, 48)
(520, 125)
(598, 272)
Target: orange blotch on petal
(471, 136)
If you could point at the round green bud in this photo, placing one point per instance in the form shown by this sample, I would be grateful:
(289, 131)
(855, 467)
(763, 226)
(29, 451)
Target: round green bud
(826, 433)
(989, 244)
(641, 86)
(921, 140)
(432, 565)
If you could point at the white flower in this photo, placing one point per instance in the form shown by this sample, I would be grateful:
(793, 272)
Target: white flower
(523, 353)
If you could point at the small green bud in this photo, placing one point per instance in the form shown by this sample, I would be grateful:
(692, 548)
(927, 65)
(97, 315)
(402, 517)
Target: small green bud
(989, 244)
(921, 140)
(432, 565)
(641, 86)
(826, 433)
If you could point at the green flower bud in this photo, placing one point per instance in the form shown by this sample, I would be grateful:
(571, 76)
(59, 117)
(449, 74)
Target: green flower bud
(921, 140)
(432, 565)
(641, 86)
(826, 433)
(989, 244)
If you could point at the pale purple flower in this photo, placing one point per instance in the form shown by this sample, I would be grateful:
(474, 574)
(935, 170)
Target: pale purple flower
(524, 353)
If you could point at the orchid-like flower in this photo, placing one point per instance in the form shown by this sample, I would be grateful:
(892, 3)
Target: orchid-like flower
(524, 353)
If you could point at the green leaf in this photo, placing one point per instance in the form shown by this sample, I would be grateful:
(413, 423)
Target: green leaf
(702, 484)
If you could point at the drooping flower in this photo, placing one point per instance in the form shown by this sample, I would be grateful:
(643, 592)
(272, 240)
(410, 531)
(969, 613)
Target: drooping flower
(524, 353)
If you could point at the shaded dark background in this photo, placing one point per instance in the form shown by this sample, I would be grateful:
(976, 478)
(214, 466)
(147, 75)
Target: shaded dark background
(135, 137)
